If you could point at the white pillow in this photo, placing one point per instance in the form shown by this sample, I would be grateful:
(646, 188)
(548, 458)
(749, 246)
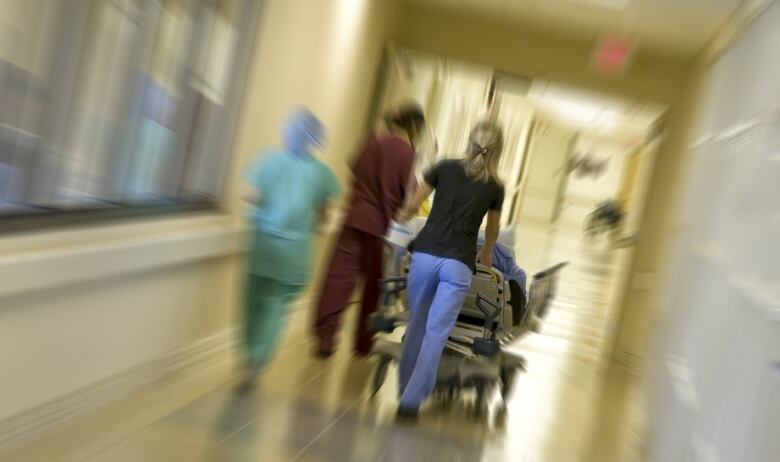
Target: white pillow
(401, 234)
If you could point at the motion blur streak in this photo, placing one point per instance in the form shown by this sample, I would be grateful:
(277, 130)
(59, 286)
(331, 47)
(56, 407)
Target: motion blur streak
(641, 146)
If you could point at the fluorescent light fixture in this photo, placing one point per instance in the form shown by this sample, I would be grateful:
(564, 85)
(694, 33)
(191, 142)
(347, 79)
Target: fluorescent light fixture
(576, 113)
(577, 109)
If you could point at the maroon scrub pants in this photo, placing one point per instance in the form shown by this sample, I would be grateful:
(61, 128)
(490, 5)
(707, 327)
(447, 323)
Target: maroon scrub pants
(357, 255)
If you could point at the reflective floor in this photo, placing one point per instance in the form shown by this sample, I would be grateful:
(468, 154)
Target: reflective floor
(571, 405)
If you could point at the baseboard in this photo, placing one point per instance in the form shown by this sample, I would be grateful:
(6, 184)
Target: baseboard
(35, 423)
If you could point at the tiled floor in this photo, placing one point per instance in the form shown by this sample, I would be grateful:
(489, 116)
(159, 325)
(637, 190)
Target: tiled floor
(569, 406)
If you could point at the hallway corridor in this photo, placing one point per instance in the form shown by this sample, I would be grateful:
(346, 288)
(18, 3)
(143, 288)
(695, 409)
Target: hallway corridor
(309, 410)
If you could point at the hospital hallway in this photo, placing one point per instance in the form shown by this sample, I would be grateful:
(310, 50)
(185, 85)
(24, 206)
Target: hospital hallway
(307, 409)
(176, 174)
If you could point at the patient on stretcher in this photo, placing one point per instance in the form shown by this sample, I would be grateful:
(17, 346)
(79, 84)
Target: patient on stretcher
(504, 257)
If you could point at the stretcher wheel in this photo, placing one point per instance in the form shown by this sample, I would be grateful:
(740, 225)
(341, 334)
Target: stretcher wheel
(483, 389)
(508, 375)
(486, 347)
(380, 373)
(479, 401)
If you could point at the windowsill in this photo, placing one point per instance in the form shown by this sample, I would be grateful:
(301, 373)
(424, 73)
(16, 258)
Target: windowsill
(64, 220)
(48, 258)
(68, 255)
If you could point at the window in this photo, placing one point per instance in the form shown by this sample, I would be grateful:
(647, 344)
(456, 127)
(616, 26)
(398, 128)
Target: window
(110, 105)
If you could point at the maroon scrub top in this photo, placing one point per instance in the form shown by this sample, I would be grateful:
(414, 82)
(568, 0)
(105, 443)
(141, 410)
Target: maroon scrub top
(381, 172)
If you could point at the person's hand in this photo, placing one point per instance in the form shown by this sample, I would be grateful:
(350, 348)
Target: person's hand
(485, 257)
(403, 216)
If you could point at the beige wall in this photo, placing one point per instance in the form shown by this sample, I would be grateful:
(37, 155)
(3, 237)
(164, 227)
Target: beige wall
(526, 51)
(81, 304)
(636, 328)
(551, 147)
(321, 54)
(56, 340)
(713, 385)
(638, 333)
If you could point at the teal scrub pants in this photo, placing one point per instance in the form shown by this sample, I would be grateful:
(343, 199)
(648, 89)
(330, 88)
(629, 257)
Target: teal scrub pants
(267, 304)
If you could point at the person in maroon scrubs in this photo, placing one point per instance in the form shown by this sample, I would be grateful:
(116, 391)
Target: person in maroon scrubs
(381, 172)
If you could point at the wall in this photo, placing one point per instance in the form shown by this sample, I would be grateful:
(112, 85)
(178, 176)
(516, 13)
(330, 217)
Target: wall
(588, 188)
(636, 327)
(714, 392)
(82, 304)
(549, 152)
(584, 193)
(336, 78)
(516, 114)
(637, 185)
(79, 306)
(659, 226)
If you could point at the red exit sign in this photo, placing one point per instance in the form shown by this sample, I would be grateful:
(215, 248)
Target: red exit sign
(612, 55)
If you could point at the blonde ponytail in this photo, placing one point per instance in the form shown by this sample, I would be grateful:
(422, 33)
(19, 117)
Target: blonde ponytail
(486, 142)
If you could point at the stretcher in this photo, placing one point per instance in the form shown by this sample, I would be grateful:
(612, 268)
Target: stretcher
(494, 315)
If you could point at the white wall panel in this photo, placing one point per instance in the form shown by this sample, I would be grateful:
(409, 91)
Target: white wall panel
(717, 396)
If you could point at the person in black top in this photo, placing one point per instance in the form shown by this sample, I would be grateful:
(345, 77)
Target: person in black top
(444, 256)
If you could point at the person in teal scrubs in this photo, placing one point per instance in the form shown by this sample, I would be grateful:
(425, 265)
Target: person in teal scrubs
(289, 190)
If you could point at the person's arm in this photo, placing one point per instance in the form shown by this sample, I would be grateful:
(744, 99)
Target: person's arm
(330, 193)
(415, 201)
(251, 194)
(322, 217)
(424, 189)
(410, 188)
(256, 178)
(407, 181)
(485, 255)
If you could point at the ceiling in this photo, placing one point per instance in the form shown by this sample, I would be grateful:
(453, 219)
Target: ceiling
(679, 28)
(622, 120)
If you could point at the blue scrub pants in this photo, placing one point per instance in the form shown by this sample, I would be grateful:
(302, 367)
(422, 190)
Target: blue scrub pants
(436, 289)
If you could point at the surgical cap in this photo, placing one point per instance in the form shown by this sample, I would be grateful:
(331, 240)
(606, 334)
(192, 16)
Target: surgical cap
(301, 131)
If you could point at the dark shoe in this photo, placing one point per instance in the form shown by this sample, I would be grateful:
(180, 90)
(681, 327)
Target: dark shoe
(249, 382)
(323, 354)
(362, 353)
(245, 387)
(407, 415)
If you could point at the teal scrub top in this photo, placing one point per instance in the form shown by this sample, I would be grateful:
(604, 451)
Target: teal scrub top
(293, 189)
